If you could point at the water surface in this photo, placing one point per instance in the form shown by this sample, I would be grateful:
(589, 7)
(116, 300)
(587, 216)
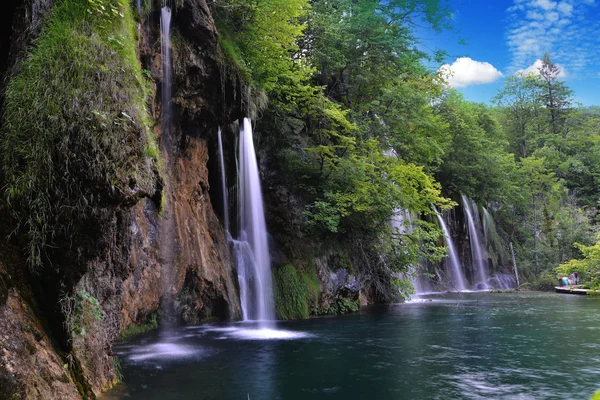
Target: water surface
(467, 346)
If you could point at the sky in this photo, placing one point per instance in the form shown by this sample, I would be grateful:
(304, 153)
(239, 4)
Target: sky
(503, 37)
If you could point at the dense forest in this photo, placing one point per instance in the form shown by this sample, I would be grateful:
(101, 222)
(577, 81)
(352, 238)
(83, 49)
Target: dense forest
(105, 192)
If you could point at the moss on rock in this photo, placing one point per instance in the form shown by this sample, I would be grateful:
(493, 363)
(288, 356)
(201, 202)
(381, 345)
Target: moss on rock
(295, 292)
(76, 129)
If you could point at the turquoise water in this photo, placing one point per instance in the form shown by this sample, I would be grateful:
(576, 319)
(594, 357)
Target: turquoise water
(468, 346)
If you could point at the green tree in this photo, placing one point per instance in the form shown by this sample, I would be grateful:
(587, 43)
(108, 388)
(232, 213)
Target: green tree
(520, 104)
(555, 95)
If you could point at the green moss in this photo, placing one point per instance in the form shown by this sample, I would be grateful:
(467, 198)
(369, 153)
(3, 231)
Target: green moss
(76, 131)
(150, 324)
(290, 293)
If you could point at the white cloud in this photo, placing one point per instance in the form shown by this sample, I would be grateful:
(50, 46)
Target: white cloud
(566, 29)
(565, 8)
(545, 4)
(535, 69)
(465, 71)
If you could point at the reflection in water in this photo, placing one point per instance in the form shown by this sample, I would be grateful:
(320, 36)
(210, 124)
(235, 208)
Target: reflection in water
(467, 346)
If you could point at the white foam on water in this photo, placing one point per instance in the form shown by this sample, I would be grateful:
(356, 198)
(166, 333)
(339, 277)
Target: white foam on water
(161, 351)
(267, 334)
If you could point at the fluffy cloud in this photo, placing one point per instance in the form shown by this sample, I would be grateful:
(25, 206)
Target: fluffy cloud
(535, 69)
(567, 29)
(465, 71)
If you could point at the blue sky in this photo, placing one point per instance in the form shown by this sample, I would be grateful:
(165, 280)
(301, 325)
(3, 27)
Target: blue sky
(505, 36)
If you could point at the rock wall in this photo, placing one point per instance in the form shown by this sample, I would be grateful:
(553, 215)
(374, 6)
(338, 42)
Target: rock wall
(173, 232)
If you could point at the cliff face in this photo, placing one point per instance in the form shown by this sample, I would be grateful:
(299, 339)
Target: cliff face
(64, 322)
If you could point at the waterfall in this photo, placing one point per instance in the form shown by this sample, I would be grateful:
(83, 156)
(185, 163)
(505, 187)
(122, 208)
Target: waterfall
(223, 185)
(401, 222)
(165, 46)
(478, 254)
(458, 278)
(166, 227)
(138, 6)
(251, 249)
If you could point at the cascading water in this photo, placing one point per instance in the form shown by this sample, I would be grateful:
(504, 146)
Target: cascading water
(166, 227)
(223, 185)
(167, 118)
(458, 278)
(401, 222)
(251, 249)
(478, 257)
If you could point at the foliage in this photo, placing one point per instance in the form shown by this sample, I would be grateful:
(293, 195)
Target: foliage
(290, 293)
(75, 124)
(588, 266)
(262, 37)
(80, 311)
(150, 324)
(340, 305)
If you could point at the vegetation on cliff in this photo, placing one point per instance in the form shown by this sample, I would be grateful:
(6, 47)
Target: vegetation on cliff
(76, 132)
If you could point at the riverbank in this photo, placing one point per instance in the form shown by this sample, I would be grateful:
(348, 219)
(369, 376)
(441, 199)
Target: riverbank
(574, 289)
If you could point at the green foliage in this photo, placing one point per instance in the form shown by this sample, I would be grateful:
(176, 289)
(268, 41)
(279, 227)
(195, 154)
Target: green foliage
(261, 37)
(75, 124)
(341, 305)
(106, 8)
(596, 395)
(293, 293)
(150, 324)
(117, 368)
(81, 311)
(588, 266)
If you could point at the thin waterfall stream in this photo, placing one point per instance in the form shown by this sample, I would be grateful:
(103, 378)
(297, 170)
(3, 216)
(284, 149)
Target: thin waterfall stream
(477, 255)
(166, 225)
(223, 185)
(165, 37)
(458, 279)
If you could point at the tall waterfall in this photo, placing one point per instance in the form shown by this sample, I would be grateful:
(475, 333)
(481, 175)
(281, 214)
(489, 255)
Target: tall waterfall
(251, 248)
(166, 228)
(165, 42)
(478, 252)
(223, 184)
(458, 278)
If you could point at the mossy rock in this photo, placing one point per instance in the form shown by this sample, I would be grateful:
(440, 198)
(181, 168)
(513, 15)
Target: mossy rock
(76, 129)
(295, 291)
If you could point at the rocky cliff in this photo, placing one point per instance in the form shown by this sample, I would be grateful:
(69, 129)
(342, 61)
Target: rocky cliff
(58, 321)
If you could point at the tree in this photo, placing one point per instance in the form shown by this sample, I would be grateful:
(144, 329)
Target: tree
(555, 95)
(521, 106)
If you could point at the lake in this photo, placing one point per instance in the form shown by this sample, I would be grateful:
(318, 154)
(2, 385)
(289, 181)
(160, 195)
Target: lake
(455, 346)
